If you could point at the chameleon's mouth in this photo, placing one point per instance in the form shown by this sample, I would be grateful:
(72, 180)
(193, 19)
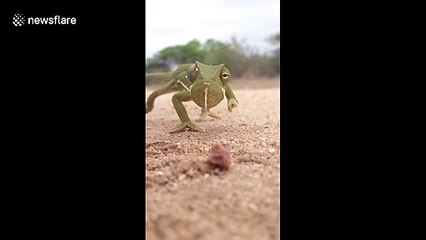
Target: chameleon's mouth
(206, 94)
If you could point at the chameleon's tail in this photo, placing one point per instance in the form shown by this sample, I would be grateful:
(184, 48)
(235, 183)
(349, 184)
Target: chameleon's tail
(158, 77)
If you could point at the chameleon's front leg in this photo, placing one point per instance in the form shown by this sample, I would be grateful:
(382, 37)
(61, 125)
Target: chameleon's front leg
(177, 100)
(232, 100)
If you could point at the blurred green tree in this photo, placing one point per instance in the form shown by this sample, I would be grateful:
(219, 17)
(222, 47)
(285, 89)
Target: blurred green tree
(236, 55)
(169, 57)
(275, 60)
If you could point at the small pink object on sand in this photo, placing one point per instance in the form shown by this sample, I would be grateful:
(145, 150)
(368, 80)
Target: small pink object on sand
(220, 156)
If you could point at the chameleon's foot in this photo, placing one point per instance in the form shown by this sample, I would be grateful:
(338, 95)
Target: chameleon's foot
(148, 109)
(181, 126)
(232, 103)
(205, 113)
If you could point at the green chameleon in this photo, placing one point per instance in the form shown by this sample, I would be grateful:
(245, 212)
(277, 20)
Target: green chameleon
(206, 85)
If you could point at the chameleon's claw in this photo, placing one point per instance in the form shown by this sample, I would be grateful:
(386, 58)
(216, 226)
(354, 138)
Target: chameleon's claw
(232, 103)
(148, 109)
(181, 126)
(205, 113)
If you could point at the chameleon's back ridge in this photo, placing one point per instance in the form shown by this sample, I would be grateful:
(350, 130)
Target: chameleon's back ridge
(203, 84)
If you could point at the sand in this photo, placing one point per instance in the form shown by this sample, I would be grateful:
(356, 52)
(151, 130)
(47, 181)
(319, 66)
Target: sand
(187, 197)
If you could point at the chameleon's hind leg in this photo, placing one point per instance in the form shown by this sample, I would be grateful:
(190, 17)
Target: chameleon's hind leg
(205, 113)
(163, 89)
(177, 100)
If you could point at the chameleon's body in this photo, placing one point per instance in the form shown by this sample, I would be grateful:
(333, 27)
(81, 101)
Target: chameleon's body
(205, 85)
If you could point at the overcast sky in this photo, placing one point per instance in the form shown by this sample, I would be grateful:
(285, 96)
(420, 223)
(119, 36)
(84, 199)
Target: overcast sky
(176, 22)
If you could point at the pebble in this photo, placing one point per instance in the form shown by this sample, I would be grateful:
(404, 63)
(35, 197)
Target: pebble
(272, 142)
(253, 207)
(160, 173)
(272, 150)
(182, 177)
(206, 175)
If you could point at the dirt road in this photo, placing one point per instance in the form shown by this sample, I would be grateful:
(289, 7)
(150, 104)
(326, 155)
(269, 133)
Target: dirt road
(187, 198)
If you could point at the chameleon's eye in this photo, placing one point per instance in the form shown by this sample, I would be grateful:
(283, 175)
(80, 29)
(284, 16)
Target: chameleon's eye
(225, 75)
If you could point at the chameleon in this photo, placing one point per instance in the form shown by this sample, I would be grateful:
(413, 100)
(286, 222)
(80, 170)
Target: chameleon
(205, 85)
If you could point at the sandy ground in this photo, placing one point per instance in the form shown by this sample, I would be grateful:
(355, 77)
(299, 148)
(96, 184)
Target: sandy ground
(188, 198)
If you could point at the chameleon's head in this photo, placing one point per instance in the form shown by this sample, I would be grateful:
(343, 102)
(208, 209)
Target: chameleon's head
(208, 83)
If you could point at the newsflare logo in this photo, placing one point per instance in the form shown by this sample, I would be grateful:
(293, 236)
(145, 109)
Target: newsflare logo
(19, 20)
